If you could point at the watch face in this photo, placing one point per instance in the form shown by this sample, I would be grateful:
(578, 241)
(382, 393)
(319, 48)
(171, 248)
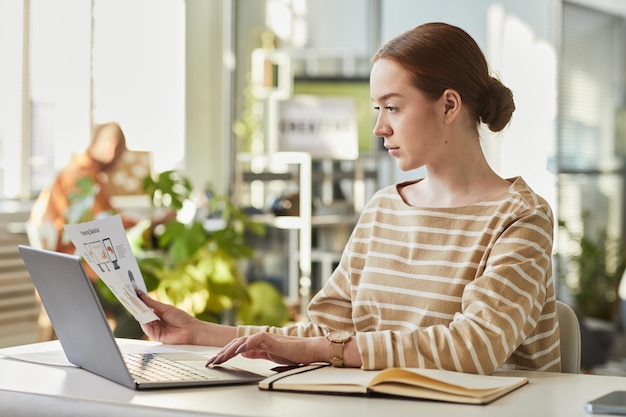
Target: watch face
(339, 336)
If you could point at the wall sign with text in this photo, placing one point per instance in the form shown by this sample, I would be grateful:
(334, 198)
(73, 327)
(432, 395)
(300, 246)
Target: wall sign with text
(326, 127)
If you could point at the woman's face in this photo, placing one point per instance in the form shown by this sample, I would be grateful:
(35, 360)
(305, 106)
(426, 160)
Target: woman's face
(409, 122)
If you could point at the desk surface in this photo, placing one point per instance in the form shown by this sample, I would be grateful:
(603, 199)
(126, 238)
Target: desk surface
(28, 388)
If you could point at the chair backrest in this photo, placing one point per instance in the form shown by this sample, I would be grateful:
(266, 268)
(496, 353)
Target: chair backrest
(570, 338)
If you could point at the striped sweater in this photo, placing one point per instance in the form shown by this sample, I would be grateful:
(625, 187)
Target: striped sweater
(467, 289)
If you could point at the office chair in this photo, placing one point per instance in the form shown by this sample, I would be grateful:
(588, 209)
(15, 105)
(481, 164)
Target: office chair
(570, 338)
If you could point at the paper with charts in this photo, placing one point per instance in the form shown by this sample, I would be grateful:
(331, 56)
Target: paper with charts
(104, 246)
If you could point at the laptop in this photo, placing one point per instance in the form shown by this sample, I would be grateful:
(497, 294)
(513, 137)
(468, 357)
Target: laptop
(88, 342)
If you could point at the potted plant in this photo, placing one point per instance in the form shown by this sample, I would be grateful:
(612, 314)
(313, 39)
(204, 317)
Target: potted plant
(195, 265)
(597, 265)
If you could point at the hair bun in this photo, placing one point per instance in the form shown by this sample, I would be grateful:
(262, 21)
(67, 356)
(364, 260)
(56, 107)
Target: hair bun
(498, 105)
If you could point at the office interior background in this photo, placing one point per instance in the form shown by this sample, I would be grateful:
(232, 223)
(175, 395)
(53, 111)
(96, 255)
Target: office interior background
(176, 74)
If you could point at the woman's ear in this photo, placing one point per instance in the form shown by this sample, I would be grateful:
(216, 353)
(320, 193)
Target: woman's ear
(451, 104)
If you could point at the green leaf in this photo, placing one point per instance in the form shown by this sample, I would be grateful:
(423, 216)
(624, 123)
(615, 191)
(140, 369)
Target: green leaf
(198, 269)
(266, 306)
(183, 241)
(170, 189)
(81, 201)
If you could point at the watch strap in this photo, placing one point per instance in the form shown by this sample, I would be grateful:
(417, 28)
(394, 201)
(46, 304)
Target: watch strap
(337, 340)
(336, 354)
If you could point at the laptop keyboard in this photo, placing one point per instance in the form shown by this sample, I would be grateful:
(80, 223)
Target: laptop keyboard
(154, 368)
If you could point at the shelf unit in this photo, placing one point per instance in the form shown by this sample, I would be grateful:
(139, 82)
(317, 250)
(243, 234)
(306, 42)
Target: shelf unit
(302, 248)
(317, 233)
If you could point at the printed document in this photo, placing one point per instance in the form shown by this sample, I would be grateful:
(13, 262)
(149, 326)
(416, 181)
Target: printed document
(103, 244)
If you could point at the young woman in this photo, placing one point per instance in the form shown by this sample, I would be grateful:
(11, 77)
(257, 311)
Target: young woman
(451, 271)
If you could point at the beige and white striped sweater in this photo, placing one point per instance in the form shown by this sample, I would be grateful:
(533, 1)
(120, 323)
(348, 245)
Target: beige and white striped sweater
(467, 289)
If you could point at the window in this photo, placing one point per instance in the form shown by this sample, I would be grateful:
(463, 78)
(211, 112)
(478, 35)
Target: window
(68, 65)
(11, 103)
(590, 160)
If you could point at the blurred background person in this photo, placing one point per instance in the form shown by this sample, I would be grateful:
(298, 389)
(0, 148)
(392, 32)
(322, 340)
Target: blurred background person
(81, 192)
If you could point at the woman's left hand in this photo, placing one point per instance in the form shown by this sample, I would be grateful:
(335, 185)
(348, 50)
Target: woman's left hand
(287, 350)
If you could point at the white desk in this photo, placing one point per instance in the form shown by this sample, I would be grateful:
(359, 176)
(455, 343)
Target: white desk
(28, 389)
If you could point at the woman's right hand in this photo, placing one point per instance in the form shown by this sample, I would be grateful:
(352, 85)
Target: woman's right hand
(174, 327)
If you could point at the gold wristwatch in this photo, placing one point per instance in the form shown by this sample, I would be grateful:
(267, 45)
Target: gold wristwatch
(337, 341)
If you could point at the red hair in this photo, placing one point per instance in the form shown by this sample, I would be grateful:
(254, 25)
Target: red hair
(440, 56)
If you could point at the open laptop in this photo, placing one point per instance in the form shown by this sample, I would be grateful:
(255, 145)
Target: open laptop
(82, 328)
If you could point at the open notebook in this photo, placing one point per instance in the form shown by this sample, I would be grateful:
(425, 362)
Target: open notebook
(428, 384)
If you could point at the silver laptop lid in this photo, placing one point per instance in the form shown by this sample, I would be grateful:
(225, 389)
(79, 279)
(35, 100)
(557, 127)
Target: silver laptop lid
(76, 314)
(83, 330)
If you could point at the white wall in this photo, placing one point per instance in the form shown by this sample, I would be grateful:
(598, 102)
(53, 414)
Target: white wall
(335, 32)
(139, 74)
(207, 130)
